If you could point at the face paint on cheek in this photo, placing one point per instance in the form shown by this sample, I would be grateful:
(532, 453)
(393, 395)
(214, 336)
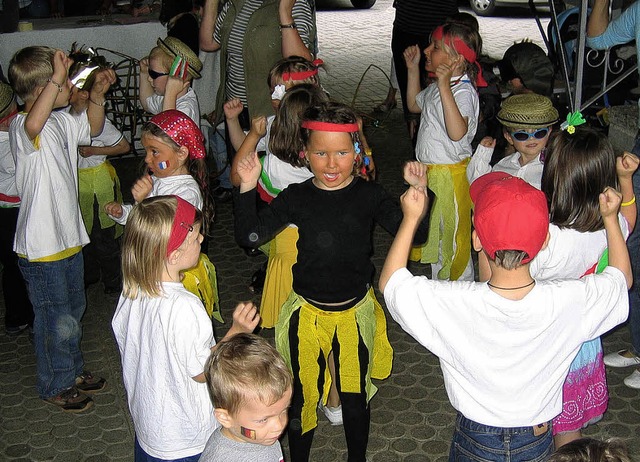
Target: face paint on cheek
(248, 433)
(163, 165)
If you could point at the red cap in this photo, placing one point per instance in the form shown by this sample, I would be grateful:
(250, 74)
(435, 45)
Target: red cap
(509, 214)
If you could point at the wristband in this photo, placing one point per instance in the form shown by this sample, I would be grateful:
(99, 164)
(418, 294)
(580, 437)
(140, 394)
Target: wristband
(103, 104)
(56, 84)
(288, 26)
(628, 203)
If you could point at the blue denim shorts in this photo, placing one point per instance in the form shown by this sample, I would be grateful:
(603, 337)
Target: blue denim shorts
(476, 442)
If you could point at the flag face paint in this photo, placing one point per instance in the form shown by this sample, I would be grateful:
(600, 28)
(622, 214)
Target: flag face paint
(163, 165)
(248, 433)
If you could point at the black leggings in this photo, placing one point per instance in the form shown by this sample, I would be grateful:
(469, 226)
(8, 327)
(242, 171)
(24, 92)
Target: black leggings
(356, 413)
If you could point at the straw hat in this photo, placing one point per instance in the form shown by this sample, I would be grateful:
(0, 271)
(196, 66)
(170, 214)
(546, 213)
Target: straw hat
(527, 111)
(175, 47)
(6, 97)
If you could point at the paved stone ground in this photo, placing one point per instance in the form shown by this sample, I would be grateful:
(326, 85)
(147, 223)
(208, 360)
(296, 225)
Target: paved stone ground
(412, 419)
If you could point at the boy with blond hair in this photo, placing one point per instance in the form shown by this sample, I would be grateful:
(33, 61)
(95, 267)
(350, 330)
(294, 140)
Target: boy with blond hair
(250, 387)
(165, 79)
(505, 346)
(50, 232)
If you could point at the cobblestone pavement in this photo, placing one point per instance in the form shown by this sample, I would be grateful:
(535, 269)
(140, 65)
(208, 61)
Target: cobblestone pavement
(412, 419)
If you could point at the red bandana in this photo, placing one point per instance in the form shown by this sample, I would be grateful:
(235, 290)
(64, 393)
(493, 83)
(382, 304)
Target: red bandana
(330, 127)
(462, 49)
(182, 224)
(182, 130)
(303, 75)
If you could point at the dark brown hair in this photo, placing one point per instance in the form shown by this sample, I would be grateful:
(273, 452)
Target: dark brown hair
(577, 168)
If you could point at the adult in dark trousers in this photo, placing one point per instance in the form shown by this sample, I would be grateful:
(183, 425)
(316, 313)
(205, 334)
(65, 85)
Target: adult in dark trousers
(602, 34)
(413, 24)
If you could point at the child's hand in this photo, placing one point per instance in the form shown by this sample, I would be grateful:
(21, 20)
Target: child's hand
(249, 169)
(444, 71)
(259, 125)
(104, 79)
(415, 173)
(113, 209)
(175, 85)
(412, 56)
(61, 65)
(233, 108)
(245, 318)
(144, 66)
(610, 200)
(414, 204)
(86, 151)
(488, 142)
(626, 164)
(142, 188)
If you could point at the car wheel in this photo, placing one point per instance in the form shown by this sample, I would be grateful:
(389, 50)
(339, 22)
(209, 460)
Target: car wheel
(483, 7)
(363, 4)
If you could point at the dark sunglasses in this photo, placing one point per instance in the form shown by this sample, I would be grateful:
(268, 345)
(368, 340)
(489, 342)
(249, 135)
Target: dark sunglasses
(154, 75)
(524, 136)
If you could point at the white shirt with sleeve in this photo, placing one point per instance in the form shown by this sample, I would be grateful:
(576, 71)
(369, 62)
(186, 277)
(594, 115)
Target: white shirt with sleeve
(183, 186)
(164, 342)
(504, 361)
(8, 192)
(110, 136)
(187, 103)
(433, 144)
(531, 172)
(49, 221)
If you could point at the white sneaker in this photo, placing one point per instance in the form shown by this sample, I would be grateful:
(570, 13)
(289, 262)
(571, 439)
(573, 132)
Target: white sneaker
(633, 381)
(334, 414)
(623, 358)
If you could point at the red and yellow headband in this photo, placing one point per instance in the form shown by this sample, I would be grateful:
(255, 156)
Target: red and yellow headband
(462, 49)
(303, 75)
(330, 127)
(182, 224)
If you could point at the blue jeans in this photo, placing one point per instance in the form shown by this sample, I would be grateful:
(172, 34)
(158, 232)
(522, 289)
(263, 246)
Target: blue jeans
(56, 291)
(633, 245)
(477, 442)
(141, 456)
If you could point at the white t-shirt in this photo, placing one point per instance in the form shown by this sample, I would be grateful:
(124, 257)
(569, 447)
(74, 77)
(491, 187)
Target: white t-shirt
(571, 253)
(7, 174)
(110, 136)
(187, 103)
(184, 186)
(434, 145)
(503, 361)
(479, 165)
(164, 342)
(49, 221)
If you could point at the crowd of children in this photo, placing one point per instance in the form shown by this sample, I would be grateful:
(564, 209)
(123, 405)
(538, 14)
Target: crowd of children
(548, 222)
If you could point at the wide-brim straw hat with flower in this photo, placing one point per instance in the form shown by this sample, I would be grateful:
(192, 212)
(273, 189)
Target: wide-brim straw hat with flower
(176, 47)
(528, 110)
(6, 97)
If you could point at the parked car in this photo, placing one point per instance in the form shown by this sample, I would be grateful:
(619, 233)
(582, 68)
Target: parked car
(488, 7)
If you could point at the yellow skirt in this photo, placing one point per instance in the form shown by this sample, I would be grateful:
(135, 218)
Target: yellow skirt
(103, 183)
(450, 224)
(316, 332)
(202, 281)
(283, 254)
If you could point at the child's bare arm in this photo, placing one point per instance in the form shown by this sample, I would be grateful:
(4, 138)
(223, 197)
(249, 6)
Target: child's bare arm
(412, 60)
(146, 90)
(258, 130)
(249, 169)
(95, 112)
(121, 147)
(41, 109)
(610, 201)
(245, 319)
(626, 165)
(455, 123)
(175, 87)
(414, 207)
(232, 109)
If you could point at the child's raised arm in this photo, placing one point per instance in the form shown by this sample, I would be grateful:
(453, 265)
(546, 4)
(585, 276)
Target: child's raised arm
(146, 90)
(95, 112)
(249, 169)
(414, 207)
(456, 124)
(610, 201)
(412, 60)
(41, 108)
(175, 87)
(625, 166)
(257, 131)
(232, 109)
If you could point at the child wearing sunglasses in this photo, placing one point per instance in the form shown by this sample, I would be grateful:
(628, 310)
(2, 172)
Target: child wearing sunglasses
(527, 121)
(165, 79)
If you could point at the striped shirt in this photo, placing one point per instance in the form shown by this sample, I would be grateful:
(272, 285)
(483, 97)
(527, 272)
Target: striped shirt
(235, 84)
